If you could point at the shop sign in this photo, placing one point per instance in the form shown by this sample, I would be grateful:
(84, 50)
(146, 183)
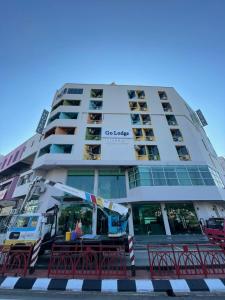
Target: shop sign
(117, 133)
(2, 194)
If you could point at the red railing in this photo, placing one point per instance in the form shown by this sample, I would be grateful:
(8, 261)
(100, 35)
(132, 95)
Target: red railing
(87, 261)
(15, 260)
(184, 261)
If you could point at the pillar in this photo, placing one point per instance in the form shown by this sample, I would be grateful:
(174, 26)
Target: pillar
(95, 211)
(130, 221)
(165, 219)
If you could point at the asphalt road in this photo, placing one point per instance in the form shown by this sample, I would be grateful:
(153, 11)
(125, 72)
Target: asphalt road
(26, 295)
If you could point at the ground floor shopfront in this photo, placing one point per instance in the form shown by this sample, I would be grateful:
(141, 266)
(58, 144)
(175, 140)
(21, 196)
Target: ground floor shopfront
(147, 218)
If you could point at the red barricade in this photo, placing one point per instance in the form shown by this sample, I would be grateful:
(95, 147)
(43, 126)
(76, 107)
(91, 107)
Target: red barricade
(87, 261)
(184, 261)
(16, 260)
(3, 255)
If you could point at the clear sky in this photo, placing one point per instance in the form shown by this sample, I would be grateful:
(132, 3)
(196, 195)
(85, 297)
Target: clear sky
(46, 43)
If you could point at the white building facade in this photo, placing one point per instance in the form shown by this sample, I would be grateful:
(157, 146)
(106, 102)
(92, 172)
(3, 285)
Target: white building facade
(142, 146)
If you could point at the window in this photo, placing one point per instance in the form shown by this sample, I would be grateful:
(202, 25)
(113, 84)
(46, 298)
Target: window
(143, 106)
(140, 94)
(138, 106)
(74, 91)
(183, 153)
(136, 94)
(143, 134)
(60, 131)
(162, 95)
(94, 118)
(93, 133)
(133, 106)
(146, 119)
(67, 103)
(146, 152)
(173, 176)
(81, 179)
(148, 134)
(167, 107)
(171, 120)
(56, 149)
(96, 93)
(16, 156)
(111, 184)
(95, 105)
(176, 135)
(138, 134)
(138, 119)
(153, 152)
(135, 119)
(92, 152)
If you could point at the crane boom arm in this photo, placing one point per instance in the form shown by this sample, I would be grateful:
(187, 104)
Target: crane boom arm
(95, 200)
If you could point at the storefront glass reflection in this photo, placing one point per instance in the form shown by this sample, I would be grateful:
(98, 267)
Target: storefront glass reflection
(148, 219)
(182, 218)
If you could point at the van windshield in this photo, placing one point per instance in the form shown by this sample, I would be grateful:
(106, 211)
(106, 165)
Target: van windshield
(23, 221)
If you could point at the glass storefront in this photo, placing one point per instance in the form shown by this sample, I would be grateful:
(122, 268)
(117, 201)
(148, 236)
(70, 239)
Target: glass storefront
(147, 219)
(182, 218)
(111, 184)
(81, 179)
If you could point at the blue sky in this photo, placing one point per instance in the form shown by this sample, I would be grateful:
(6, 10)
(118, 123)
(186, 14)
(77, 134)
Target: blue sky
(46, 43)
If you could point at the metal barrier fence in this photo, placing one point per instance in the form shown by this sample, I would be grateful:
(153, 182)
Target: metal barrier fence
(215, 236)
(87, 261)
(15, 260)
(184, 261)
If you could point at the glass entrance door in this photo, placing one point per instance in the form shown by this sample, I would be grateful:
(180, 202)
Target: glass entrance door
(148, 219)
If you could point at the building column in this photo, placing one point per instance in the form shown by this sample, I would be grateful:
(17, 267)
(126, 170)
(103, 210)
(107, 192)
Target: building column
(165, 219)
(130, 221)
(95, 210)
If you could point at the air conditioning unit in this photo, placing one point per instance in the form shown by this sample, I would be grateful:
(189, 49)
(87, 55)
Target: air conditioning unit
(180, 139)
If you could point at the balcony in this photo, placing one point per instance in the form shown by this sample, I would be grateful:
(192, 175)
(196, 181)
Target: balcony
(60, 131)
(66, 102)
(56, 149)
(63, 115)
(92, 152)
